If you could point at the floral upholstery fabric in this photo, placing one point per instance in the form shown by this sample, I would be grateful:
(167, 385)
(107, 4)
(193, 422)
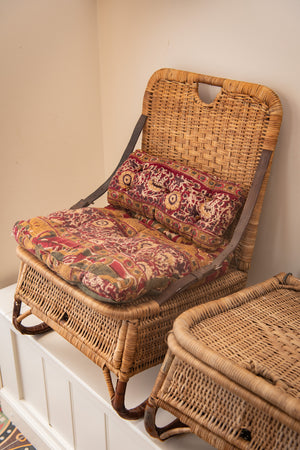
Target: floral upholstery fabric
(109, 253)
(194, 204)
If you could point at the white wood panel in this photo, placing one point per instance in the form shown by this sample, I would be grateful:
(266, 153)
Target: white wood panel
(88, 419)
(123, 434)
(7, 363)
(58, 399)
(31, 372)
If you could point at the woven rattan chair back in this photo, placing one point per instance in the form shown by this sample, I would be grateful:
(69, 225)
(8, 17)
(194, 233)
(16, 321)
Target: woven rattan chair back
(225, 137)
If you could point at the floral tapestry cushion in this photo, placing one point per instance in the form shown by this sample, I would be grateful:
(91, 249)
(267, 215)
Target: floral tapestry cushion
(192, 203)
(110, 254)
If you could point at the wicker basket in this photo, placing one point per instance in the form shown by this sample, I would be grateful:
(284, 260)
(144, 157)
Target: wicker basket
(228, 138)
(232, 371)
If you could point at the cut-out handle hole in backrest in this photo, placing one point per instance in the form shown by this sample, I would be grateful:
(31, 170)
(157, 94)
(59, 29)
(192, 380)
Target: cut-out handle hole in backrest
(208, 92)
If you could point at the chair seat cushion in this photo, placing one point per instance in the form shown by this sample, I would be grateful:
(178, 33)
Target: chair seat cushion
(110, 253)
(190, 202)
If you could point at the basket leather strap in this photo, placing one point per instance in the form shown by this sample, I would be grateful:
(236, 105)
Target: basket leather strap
(129, 149)
(199, 274)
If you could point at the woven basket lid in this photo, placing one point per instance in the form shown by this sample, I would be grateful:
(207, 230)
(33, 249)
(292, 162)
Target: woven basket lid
(253, 338)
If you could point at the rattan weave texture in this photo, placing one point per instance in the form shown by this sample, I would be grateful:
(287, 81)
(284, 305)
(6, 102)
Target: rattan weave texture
(229, 133)
(127, 339)
(232, 371)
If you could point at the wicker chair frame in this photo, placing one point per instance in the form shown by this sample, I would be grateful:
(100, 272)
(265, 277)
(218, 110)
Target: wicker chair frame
(233, 137)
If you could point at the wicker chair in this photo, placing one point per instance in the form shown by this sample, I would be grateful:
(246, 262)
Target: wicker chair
(232, 138)
(232, 374)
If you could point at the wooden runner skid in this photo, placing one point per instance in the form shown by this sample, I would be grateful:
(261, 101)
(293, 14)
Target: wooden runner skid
(233, 138)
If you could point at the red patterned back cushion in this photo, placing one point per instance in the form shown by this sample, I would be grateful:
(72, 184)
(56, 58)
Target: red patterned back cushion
(192, 203)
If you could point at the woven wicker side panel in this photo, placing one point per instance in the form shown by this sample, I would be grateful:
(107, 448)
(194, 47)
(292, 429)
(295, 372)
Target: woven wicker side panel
(106, 340)
(206, 407)
(151, 343)
(94, 334)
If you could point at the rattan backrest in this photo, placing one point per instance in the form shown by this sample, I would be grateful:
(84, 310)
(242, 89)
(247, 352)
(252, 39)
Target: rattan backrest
(225, 137)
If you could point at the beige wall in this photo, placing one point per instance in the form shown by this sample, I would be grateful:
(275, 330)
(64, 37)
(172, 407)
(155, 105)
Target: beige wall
(256, 41)
(49, 114)
(72, 79)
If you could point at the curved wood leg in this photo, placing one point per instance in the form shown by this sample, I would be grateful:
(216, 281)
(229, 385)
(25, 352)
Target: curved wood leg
(117, 401)
(17, 319)
(174, 428)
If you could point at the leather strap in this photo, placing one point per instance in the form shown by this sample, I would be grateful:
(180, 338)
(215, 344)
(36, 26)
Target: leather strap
(199, 274)
(185, 282)
(129, 149)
